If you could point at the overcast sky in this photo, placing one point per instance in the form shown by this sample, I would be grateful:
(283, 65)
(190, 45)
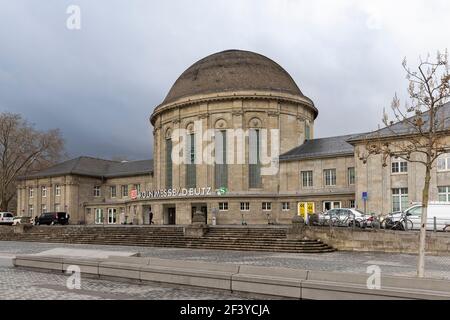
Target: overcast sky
(100, 84)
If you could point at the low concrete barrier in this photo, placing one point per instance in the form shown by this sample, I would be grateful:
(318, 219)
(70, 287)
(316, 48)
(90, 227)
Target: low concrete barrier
(280, 282)
(210, 275)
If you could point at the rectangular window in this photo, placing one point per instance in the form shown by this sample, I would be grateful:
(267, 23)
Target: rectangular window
(267, 206)
(352, 204)
(223, 206)
(245, 206)
(44, 191)
(57, 190)
(399, 165)
(443, 162)
(444, 193)
(399, 199)
(137, 187)
(124, 189)
(307, 130)
(168, 164)
(191, 172)
(113, 191)
(31, 192)
(351, 175)
(43, 208)
(30, 210)
(307, 179)
(96, 191)
(254, 171)
(285, 206)
(57, 207)
(220, 166)
(329, 176)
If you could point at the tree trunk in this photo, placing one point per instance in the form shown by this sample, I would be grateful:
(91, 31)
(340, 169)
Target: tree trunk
(423, 224)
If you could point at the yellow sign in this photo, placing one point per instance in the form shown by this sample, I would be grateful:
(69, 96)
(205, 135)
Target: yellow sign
(304, 208)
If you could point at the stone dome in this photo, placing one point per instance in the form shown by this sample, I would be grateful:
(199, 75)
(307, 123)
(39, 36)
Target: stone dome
(232, 70)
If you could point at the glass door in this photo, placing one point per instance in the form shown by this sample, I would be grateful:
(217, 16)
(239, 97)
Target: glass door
(112, 216)
(99, 216)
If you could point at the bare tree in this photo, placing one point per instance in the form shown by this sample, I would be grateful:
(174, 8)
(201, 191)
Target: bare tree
(420, 128)
(23, 150)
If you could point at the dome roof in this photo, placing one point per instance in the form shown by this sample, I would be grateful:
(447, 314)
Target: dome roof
(232, 70)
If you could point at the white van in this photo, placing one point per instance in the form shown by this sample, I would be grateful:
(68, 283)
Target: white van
(440, 210)
(6, 218)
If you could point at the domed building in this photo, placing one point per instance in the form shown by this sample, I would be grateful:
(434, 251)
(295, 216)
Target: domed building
(228, 93)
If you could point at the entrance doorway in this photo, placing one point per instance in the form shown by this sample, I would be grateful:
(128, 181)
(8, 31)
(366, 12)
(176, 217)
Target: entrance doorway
(170, 214)
(200, 207)
(328, 205)
(112, 215)
(146, 214)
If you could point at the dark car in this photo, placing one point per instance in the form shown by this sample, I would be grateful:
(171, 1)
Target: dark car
(50, 218)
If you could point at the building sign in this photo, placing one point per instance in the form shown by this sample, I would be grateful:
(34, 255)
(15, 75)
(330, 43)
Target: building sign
(167, 193)
(304, 208)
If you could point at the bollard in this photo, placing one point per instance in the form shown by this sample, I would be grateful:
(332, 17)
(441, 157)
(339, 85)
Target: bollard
(434, 224)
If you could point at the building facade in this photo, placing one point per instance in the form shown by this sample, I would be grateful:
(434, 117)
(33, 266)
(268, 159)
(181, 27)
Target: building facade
(234, 139)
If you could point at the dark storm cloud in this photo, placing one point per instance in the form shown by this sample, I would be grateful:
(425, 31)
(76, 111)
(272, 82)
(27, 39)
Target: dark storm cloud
(100, 84)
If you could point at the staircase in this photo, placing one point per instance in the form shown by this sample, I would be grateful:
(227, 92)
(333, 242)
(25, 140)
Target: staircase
(272, 239)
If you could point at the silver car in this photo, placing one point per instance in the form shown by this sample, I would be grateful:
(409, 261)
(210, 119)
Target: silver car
(343, 217)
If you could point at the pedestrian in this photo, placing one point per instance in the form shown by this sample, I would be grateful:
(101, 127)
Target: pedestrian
(151, 217)
(35, 220)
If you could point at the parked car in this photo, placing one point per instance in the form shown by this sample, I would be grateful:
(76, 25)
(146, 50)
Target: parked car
(51, 218)
(6, 218)
(344, 217)
(413, 215)
(21, 219)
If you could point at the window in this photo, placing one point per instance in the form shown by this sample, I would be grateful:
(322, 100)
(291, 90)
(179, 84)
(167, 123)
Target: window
(285, 206)
(99, 219)
(168, 163)
(43, 208)
(124, 191)
(137, 187)
(399, 199)
(191, 173)
(329, 177)
(57, 190)
(96, 191)
(267, 206)
(245, 206)
(351, 176)
(307, 179)
(444, 193)
(113, 191)
(31, 192)
(44, 191)
(220, 166)
(57, 207)
(30, 210)
(254, 172)
(307, 130)
(352, 204)
(223, 206)
(399, 165)
(443, 162)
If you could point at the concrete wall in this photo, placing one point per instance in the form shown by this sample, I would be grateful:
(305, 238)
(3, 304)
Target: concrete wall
(347, 239)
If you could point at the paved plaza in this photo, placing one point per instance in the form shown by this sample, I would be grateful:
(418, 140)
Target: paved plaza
(25, 284)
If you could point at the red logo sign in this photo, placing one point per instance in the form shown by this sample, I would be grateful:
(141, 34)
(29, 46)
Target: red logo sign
(133, 194)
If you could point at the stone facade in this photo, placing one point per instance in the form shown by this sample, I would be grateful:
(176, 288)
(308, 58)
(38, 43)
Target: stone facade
(234, 91)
